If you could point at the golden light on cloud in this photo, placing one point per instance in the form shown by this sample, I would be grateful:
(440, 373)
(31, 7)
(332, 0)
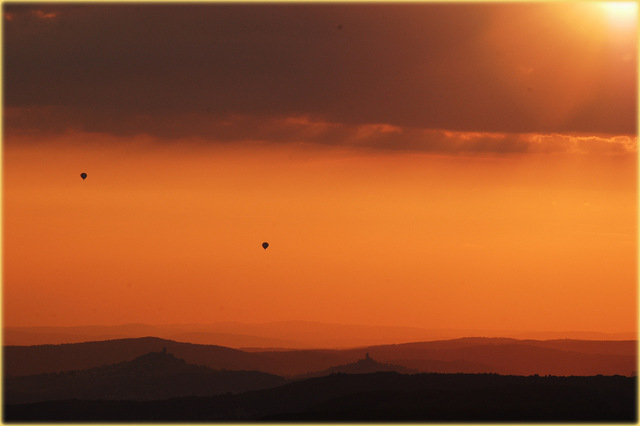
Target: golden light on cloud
(45, 15)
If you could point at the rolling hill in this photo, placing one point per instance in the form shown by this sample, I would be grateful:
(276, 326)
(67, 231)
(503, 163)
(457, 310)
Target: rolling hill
(361, 366)
(471, 355)
(155, 375)
(283, 334)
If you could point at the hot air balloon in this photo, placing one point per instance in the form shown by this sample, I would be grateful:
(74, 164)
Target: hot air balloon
(83, 176)
(265, 245)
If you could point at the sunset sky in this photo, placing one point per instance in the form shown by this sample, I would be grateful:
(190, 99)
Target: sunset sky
(430, 165)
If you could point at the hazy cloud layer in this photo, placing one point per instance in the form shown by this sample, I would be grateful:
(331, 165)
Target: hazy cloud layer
(372, 74)
(303, 129)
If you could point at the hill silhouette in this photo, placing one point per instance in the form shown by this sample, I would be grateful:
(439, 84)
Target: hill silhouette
(383, 396)
(27, 360)
(469, 355)
(155, 375)
(361, 366)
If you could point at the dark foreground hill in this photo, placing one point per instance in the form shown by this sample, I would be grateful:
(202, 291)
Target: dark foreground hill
(384, 396)
(156, 375)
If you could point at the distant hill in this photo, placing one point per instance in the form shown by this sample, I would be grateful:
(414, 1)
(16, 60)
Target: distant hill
(361, 366)
(26, 336)
(470, 355)
(384, 396)
(284, 334)
(28, 360)
(155, 375)
(512, 356)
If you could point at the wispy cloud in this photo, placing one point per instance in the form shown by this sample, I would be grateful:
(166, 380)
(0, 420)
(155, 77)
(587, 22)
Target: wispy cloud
(613, 144)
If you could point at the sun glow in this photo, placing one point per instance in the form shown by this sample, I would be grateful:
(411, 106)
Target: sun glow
(621, 14)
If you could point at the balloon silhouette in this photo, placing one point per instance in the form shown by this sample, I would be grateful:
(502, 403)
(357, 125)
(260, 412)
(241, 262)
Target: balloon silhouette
(265, 245)
(83, 176)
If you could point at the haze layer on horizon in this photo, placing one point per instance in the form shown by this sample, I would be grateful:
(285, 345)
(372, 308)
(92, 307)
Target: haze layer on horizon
(431, 165)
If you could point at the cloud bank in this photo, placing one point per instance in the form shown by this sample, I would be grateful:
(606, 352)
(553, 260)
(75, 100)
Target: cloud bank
(374, 75)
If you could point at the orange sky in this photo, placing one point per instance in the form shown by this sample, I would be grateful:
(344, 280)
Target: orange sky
(172, 235)
(518, 213)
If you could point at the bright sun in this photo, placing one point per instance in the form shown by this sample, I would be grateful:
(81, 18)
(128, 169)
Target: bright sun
(621, 13)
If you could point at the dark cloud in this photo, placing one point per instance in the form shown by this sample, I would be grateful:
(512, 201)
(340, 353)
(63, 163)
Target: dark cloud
(181, 70)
